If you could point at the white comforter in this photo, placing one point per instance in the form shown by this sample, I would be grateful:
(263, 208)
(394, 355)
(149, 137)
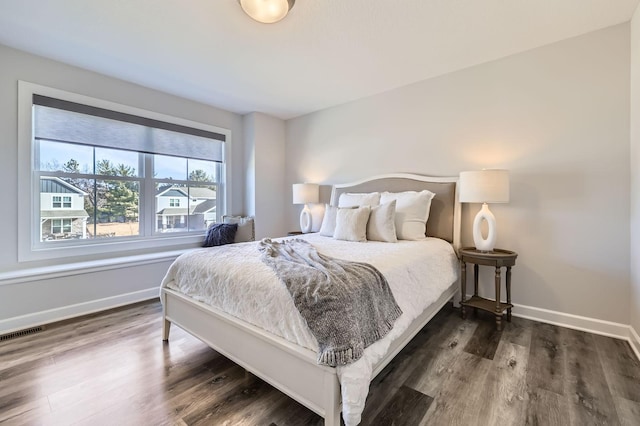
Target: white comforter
(417, 271)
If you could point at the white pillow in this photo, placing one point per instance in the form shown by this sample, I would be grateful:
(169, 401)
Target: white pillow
(351, 224)
(350, 199)
(381, 225)
(246, 228)
(412, 212)
(328, 226)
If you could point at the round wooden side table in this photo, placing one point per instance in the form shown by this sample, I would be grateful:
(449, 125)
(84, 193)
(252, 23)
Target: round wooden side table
(498, 258)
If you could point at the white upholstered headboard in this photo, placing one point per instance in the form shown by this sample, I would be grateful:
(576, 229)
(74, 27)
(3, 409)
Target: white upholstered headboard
(444, 217)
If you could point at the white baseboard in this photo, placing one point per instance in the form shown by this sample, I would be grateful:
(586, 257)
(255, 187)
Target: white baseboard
(53, 315)
(576, 322)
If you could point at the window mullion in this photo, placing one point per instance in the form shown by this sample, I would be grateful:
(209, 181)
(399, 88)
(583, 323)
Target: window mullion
(148, 193)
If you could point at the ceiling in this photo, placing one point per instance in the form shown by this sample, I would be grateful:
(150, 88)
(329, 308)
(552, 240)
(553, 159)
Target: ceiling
(325, 53)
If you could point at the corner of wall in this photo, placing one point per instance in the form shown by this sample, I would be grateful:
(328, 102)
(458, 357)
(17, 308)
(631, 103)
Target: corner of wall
(264, 145)
(634, 147)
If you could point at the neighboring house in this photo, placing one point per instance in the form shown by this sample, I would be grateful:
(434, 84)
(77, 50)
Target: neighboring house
(62, 213)
(175, 205)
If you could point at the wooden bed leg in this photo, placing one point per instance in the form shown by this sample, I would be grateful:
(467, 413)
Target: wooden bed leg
(455, 300)
(166, 327)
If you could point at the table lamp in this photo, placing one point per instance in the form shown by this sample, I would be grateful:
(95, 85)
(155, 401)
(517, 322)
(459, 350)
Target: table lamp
(305, 193)
(484, 186)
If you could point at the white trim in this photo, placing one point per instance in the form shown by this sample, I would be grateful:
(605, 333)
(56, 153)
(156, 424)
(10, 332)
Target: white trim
(576, 322)
(59, 314)
(69, 269)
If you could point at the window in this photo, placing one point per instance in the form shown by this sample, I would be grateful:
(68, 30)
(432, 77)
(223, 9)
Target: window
(110, 178)
(59, 226)
(59, 202)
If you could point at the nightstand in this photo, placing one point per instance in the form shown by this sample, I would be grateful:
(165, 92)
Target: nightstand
(292, 233)
(497, 258)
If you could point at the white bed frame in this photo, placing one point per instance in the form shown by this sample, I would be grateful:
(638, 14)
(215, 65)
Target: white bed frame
(286, 366)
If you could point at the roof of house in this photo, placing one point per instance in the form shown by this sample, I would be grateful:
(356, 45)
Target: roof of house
(54, 185)
(63, 214)
(180, 191)
(173, 211)
(172, 192)
(205, 206)
(206, 193)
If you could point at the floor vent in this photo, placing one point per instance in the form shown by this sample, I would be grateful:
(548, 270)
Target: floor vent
(21, 333)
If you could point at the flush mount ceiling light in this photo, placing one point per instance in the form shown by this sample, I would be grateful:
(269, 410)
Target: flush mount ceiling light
(267, 11)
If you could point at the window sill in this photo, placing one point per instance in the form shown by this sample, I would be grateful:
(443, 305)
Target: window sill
(56, 271)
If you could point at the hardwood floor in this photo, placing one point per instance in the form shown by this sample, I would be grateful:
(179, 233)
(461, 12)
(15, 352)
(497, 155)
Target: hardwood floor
(113, 369)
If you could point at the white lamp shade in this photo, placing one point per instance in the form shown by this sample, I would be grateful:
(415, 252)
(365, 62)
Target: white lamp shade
(304, 193)
(484, 186)
(267, 11)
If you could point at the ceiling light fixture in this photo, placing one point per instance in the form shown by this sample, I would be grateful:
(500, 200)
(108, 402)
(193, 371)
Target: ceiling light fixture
(267, 11)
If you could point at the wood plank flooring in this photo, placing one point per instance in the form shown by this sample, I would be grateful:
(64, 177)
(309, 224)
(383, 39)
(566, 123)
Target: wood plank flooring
(113, 369)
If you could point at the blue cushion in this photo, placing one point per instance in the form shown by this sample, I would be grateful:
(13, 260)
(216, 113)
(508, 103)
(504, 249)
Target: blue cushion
(220, 234)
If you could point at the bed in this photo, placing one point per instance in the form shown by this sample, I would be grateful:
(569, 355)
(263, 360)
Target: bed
(288, 361)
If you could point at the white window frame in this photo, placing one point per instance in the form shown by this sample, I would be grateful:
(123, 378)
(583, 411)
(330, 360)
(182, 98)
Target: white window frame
(66, 200)
(56, 199)
(29, 246)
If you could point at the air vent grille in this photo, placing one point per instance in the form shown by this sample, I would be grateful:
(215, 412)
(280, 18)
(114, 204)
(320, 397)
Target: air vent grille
(21, 333)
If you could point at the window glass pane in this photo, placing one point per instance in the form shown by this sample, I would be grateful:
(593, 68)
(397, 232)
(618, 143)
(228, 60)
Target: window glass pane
(202, 206)
(117, 212)
(166, 167)
(114, 162)
(65, 157)
(63, 213)
(172, 208)
(202, 171)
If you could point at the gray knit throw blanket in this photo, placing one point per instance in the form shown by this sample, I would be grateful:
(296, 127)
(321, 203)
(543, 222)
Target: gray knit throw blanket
(347, 305)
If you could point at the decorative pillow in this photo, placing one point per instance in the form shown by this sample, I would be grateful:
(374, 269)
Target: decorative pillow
(381, 225)
(220, 234)
(246, 228)
(412, 212)
(328, 226)
(350, 199)
(351, 224)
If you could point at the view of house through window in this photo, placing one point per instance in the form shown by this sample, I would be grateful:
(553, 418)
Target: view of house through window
(91, 192)
(102, 178)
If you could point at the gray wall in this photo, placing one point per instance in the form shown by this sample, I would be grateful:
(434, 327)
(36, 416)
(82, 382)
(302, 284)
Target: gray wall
(20, 297)
(556, 116)
(635, 171)
(265, 173)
